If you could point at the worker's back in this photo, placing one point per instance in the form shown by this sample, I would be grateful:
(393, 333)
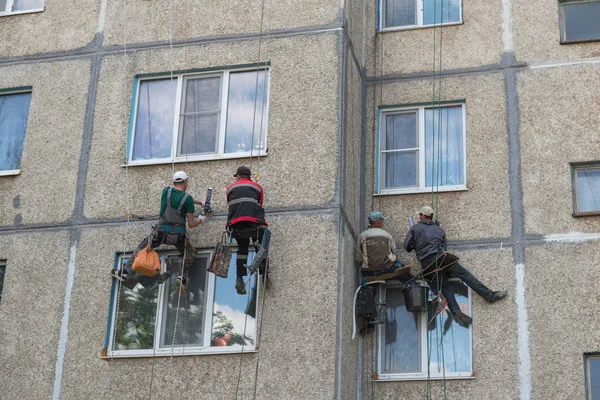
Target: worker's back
(428, 239)
(377, 249)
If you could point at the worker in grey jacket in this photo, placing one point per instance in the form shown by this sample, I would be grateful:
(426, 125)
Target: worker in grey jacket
(429, 242)
(376, 252)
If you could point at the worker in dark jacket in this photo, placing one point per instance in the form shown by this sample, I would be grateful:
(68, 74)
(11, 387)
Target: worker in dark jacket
(176, 207)
(246, 220)
(429, 242)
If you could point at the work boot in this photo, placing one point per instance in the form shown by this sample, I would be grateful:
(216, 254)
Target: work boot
(181, 285)
(240, 286)
(462, 319)
(162, 278)
(499, 295)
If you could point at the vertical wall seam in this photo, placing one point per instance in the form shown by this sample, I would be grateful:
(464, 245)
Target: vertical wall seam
(86, 142)
(518, 225)
(341, 200)
(64, 327)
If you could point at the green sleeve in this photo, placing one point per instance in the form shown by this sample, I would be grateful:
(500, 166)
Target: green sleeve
(163, 201)
(189, 205)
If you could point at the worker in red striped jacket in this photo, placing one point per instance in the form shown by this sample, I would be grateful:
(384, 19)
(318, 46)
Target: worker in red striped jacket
(246, 220)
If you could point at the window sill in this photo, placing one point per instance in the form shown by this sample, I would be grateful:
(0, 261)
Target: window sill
(389, 192)
(579, 41)
(181, 160)
(415, 27)
(21, 12)
(10, 172)
(586, 214)
(420, 377)
(178, 352)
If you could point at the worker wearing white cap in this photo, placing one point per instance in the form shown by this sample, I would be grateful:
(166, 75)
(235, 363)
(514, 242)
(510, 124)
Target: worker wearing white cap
(429, 242)
(176, 207)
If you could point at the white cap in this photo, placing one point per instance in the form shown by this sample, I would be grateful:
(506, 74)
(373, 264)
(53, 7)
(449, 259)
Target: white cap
(426, 210)
(179, 177)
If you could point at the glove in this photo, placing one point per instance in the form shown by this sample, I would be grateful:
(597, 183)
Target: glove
(201, 218)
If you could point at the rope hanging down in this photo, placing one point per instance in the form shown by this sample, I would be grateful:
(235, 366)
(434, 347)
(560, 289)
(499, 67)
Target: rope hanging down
(436, 169)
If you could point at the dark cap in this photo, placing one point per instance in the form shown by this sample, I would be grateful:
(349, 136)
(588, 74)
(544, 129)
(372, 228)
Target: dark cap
(243, 171)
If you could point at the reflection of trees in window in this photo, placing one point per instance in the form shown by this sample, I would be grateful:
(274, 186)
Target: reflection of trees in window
(223, 333)
(136, 318)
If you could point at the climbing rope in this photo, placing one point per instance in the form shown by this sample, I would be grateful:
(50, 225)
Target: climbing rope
(436, 170)
(260, 329)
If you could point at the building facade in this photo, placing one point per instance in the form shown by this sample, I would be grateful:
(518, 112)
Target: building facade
(341, 108)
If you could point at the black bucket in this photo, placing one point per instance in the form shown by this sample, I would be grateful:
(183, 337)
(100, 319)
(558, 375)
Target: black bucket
(415, 296)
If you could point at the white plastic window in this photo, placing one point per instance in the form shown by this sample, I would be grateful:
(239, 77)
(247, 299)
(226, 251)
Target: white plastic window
(212, 317)
(198, 117)
(8, 7)
(421, 148)
(407, 14)
(407, 342)
(586, 185)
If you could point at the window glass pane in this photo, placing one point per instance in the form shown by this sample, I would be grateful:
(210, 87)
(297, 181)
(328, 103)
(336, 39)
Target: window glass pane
(3, 4)
(588, 189)
(402, 344)
(200, 118)
(2, 272)
(400, 169)
(24, 5)
(449, 13)
(14, 112)
(581, 21)
(203, 94)
(136, 319)
(400, 12)
(401, 131)
(154, 121)
(594, 375)
(190, 320)
(246, 106)
(234, 316)
(449, 341)
(444, 147)
(199, 134)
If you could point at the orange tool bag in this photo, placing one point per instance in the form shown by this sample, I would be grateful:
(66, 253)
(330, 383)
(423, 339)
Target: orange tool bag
(147, 262)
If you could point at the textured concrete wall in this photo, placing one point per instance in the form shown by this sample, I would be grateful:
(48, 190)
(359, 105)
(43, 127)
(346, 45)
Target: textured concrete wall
(538, 39)
(209, 18)
(556, 130)
(494, 341)
(302, 303)
(31, 310)
(45, 192)
(60, 27)
(302, 138)
(475, 43)
(487, 197)
(563, 316)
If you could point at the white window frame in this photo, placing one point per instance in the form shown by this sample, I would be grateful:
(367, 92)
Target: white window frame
(12, 172)
(422, 185)
(417, 376)
(419, 24)
(179, 80)
(179, 350)
(9, 6)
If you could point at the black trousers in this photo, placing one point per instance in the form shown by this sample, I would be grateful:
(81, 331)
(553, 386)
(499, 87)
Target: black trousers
(242, 232)
(159, 238)
(442, 281)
